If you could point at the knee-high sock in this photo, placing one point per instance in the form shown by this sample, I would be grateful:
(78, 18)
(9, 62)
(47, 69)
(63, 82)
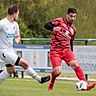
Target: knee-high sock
(53, 76)
(33, 74)
(79, 73)
(4, 75)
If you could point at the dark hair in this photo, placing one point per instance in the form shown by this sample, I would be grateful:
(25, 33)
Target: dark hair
(71, 10)
(13, 9)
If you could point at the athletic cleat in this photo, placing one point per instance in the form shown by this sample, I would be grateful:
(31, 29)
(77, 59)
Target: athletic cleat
(90, 86)
(44, 79)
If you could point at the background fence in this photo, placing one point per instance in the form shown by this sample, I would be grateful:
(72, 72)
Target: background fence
(38, 55)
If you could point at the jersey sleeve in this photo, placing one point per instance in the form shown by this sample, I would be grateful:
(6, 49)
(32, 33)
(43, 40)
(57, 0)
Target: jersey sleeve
(51, 24)
(57, 21)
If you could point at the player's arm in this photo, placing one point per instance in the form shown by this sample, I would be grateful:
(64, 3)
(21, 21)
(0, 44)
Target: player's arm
(72, 39)
(49, 26)
(71, 44)
(17, 34)
(17, 39)
(53, 25)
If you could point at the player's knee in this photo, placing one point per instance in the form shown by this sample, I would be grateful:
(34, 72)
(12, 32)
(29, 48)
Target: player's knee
(57, 71)
(73, 64)
(10, 70)
(23, 63)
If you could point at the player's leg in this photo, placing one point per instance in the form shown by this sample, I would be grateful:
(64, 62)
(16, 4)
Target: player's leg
(78, 70)
(71, 60)
(91, 86)
(11, 58)
(81, 76)
(6, 73)
(56, 64)
(6, 57)
(54, 74)
(23, 63)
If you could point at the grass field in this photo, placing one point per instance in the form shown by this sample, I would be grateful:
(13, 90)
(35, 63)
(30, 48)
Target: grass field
(30, 87)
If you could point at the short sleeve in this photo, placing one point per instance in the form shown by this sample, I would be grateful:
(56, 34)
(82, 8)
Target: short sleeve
(57, 21)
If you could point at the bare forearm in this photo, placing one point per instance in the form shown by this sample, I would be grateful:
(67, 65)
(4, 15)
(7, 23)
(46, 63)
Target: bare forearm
(17, 39)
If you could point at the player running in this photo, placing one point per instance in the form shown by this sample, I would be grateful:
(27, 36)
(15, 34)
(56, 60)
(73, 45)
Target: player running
(61, 46)
(9, 33)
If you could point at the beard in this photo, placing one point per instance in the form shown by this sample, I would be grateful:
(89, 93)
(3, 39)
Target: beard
(70, 22)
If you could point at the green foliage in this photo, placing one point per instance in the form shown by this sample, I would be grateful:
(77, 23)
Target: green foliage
(35, 13)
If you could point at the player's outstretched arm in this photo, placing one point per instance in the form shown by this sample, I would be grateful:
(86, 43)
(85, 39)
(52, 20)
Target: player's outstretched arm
(49, 26)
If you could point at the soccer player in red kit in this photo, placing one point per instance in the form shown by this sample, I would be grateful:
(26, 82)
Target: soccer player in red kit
(61, 47)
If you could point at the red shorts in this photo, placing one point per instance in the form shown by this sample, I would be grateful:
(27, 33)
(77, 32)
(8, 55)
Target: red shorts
(56, 57)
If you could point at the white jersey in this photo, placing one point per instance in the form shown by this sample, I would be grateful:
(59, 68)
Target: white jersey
(8, 30)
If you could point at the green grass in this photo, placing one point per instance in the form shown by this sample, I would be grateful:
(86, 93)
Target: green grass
(30, 87)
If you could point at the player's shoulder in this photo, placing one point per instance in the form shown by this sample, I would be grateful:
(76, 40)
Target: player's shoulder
(59, 18)
(15, 22)
(3, 21)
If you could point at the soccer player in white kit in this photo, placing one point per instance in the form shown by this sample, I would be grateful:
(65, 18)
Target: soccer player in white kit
(9, 33)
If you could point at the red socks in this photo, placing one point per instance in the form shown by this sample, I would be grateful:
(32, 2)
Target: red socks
(79, 73)
(51, 84)
(53, 77)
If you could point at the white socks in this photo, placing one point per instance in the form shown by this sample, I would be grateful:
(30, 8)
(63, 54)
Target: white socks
(33, 74)
(4, 75)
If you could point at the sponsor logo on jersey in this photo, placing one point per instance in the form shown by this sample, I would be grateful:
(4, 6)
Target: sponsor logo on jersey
(10, 36)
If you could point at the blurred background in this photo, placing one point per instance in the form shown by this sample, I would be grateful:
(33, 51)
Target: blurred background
(35, 13)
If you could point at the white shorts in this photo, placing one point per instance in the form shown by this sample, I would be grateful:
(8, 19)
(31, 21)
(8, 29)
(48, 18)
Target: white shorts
(8, 56)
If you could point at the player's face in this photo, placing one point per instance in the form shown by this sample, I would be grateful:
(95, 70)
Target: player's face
(16, 15)
(71, 17)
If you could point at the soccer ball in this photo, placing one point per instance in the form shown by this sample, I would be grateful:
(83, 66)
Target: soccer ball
(81, 85)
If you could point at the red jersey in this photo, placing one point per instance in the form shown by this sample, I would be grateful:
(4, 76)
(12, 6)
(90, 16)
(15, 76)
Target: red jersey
(61, 39)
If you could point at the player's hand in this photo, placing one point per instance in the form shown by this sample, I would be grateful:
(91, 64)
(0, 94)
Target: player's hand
(56, 28)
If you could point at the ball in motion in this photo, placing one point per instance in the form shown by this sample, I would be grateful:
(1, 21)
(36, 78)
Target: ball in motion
(81, 85)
